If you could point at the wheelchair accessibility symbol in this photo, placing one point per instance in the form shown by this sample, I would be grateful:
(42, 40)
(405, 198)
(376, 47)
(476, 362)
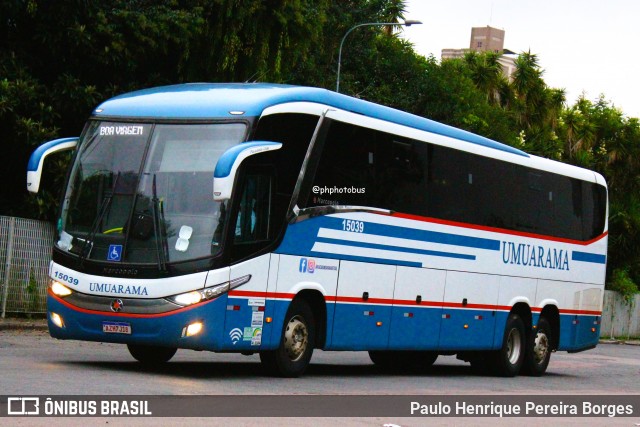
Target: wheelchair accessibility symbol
(115, 253)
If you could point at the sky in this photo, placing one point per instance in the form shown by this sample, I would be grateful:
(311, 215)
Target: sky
(590, 46)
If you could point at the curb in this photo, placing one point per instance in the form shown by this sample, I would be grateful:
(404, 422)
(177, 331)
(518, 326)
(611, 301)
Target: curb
(620, 342)
(17, 325)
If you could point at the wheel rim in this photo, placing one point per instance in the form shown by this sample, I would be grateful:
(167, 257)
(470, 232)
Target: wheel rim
(541, 347)
(514, 346)
(296, 338)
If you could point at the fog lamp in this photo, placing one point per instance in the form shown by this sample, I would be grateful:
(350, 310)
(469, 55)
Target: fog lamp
(192, 329)
(56, 319)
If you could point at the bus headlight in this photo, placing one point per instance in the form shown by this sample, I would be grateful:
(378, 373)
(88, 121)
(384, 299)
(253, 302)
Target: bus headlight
(59, 289)
(194, 297)
(188, 298)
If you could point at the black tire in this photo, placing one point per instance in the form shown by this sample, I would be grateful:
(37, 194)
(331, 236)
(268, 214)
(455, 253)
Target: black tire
(151, 354)
(508, 361)
(383, 359)
(403, 360)
(538, 351)
(297, 341)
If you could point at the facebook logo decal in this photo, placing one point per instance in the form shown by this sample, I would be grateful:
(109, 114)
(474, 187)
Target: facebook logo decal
(307, 265)
(115, 253)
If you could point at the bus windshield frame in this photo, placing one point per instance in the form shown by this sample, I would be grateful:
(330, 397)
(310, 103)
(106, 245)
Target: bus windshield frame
(140, 193)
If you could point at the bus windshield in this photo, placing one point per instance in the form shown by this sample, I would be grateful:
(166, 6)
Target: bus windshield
(141, 193)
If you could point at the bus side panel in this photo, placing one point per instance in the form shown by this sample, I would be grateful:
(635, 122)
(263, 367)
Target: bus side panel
(270, 304)
(296, 274)
(363, 311)
(562, 293)
(417, 309)
(512, 291)
(468, 319)
(580, 307)
(588, 327)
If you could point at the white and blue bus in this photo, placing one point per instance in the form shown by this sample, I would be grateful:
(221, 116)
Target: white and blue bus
(274, 219)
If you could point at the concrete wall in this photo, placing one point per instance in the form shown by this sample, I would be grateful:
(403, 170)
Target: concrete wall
(620, 319)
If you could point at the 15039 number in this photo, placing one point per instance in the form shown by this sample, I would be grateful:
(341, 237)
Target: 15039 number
(353, 226)
(65, 278)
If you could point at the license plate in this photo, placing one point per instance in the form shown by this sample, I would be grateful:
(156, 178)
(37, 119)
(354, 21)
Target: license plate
(116, 328)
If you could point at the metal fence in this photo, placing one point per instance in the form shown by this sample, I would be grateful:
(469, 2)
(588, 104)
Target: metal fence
(25, 252)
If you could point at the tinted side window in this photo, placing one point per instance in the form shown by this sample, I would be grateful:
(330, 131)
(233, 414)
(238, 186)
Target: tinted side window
(346, 173)
(401, 174)
(567, 207)
(594, 200)
(364, 167)
(447, 184)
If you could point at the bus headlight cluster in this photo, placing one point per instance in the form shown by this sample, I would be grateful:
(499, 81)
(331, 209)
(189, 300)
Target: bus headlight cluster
(59, 289)
(194, 297)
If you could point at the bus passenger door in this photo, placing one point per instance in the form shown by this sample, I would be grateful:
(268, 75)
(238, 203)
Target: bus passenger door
(246, 304)
(363, 306)
(417, 309)
(244, 320)
(469, 311)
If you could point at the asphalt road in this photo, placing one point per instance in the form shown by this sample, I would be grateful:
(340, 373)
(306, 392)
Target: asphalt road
(32, 363)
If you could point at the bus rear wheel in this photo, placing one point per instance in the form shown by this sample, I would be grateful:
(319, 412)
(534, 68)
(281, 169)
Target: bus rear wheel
(151, 354)
(538, 351)
(508, 361)
(292, 356)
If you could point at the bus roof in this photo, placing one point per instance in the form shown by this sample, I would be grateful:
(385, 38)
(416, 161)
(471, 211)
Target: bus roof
(217, 100)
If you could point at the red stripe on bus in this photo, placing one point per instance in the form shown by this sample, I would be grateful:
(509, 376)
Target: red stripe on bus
(569, 311)
(388, 301)
(497, 230)
(257, 294)
(120, 314)
(272, 295)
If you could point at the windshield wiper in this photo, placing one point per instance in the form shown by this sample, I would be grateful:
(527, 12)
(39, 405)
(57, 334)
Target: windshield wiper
(104, 207)
(159, 229)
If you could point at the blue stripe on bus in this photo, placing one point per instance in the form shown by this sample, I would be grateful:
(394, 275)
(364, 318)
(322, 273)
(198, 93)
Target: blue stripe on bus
(301, 236)
(588, 257)
(365, 259)
(427, 236)
(397, 249)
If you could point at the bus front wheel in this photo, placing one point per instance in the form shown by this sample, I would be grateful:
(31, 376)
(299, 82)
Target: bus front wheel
(151, 354)
(292, 356)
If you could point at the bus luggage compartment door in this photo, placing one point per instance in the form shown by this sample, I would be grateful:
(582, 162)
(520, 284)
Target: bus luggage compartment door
(417, 309)
(468, 312)
(363, 306)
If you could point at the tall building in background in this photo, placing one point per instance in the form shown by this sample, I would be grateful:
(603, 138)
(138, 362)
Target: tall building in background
(485, 39)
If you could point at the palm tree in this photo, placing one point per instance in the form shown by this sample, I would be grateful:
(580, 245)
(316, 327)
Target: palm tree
(486, 73)
(392, 11)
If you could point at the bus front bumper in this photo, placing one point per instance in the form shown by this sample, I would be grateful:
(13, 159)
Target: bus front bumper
(171, 329)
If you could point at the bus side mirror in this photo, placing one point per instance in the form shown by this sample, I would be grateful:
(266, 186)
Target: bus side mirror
(225, 173)
(34, 167)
